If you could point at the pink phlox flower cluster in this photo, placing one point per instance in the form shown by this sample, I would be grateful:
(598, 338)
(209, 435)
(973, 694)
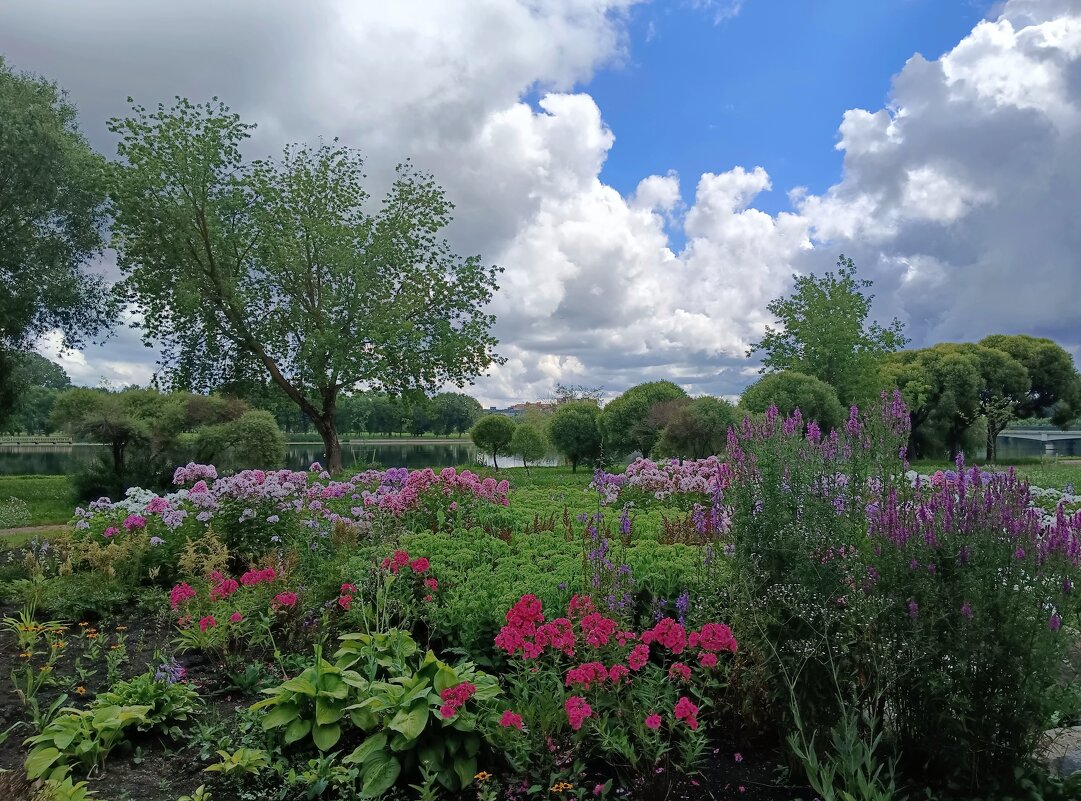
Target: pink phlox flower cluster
(678, 670)
(585, 675)
(598, 629)
(180, 593)
(511, 720)
(192, 472)
(454, 698)
(577, 710)
(686, 711)
(157, 505)
(133, 522)
(223, 588)
(253, 577)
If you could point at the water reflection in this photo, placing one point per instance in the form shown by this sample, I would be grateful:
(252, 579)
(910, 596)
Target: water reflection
(67, 459)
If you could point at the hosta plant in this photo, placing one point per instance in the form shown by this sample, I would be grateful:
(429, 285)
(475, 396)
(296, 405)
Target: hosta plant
(83, 736)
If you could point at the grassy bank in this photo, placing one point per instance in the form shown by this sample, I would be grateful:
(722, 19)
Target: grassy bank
(48, 498)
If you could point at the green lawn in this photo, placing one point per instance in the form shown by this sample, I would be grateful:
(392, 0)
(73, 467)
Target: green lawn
(49, 498)
(1059, 473)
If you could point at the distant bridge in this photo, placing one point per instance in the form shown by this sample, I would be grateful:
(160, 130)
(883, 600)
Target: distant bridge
(1048, 436)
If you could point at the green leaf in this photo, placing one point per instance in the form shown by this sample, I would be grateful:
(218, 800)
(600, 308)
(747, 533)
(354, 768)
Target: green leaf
(411, 722)
(280, 715)
(327, 711)
(326, 737)
(465, 769)
(379, 774)
(445, 678)
(366, 750)
(299, 685)
(297, 730)
(40, 761)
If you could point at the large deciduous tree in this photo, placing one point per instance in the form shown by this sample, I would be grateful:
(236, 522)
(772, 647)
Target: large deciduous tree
(51, 213)
(697, 429)
(575, 432)
(625, 422)
(455, 412)
(282, 263)
(824, 333)
(1053, 378)
(492, 434)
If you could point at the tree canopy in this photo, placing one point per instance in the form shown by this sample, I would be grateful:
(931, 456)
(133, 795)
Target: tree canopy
(575, 432)
(790, 390)
(529, 443)
(52, 196)
(697, 429)
(824, 333)
(492, 434)
(280, 263)
(625, 424)
(455, 412)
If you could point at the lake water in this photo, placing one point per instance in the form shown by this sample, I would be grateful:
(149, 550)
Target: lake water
(66, 459)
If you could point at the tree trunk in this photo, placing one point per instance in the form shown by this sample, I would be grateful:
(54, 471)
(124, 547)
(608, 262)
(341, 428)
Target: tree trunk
(992, 444)
(118, 457)
(327, 426)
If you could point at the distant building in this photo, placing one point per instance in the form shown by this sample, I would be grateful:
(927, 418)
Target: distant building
(518, 409)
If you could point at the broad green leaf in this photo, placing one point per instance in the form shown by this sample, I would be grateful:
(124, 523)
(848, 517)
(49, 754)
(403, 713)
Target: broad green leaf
(326, 737)
(379, 774)
(40, 761)
(411, 721)
(280, 716)
(297, 730)
(327, 711)
(299, 685)
(366, 750)
(465, 769)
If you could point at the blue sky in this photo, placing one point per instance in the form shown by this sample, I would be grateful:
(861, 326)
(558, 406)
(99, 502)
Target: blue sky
(765, 87)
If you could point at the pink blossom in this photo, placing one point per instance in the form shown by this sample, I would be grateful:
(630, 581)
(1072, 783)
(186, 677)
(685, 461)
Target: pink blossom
(511, 720)
(236, 617)
(653, 721)
(419, 565)
(207, 622)
(577, 710)
(286, 599)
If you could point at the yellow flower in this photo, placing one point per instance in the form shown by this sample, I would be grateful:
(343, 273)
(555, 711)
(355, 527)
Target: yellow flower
(114, 647)
(60, 644)
(26, 654)
(91, 635)
(46, 668)
(483, 776)
(80, 690)
(83, 624)
(121, 628)
(561, 787)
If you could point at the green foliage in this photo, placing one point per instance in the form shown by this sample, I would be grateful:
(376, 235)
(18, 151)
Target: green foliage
(1054, 384)
(824, 333)
(788, 391)
(624, 422)
(575, 432)
(529, 443)
(240, 761)
(492, 434)
(84, 736)
(310, 704)
(408, 723)
(252, 440)
(455, 412)
(51, 214)
(290, 271)
(167, 703)
(850, 769)
(697, 429)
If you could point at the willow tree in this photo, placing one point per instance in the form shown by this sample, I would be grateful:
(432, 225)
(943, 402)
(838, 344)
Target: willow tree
(285, 266)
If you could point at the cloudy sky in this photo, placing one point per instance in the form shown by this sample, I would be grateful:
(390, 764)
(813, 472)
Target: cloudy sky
(649, 174)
